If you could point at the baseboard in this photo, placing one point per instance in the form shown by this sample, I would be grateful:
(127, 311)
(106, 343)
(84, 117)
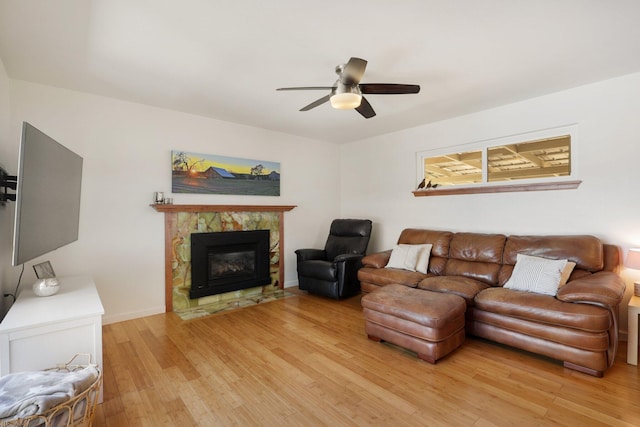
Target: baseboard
(121, 317)
(291, 284)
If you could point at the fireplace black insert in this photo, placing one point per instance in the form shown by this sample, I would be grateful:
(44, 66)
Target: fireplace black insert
(228, 261)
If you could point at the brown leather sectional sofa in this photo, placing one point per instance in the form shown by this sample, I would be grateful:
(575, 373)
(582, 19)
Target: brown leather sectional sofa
(577, 326)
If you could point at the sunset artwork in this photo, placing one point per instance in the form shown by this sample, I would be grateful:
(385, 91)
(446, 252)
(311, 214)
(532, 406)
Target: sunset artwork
(211, 174)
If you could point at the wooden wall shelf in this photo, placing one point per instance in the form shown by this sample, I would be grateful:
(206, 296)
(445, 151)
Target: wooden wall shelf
(448, 191)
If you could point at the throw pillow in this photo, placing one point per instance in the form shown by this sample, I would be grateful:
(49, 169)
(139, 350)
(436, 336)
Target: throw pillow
(424, 253)
(535, 274)
(410, 257)
(566, 272)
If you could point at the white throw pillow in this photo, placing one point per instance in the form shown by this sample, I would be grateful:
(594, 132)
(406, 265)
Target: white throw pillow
(424, 253)
(535, 274)
(410, 257)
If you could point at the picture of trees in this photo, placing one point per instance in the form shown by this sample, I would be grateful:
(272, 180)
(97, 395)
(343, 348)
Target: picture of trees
(211, 174)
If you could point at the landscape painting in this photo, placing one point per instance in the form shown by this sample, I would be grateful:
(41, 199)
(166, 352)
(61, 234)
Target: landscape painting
(211, 174)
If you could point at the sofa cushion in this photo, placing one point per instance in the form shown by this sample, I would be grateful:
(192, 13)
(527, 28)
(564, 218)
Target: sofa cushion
(483, 271)
(387, 276)
(464, 287)
(477, 247)
(584, 340)
(477, 256)
(439, 239)
(543, 309)
(535, 274)
(586, 251)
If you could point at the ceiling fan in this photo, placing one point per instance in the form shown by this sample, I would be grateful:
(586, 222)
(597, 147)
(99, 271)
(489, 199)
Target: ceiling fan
(346, 93)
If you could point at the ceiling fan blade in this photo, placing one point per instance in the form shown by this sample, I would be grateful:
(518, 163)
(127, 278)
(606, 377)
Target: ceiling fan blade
(388, 88)
(353, 71)
(315, 103)
(365, 109)
(307, 88)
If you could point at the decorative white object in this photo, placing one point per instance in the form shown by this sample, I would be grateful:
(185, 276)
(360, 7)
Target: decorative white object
(38, 333)
(46, 287)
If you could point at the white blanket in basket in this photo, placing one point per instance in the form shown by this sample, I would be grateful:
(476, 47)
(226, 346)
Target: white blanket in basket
(29, 393)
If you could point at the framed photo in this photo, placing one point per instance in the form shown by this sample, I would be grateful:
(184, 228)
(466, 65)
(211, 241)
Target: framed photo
(44, 270)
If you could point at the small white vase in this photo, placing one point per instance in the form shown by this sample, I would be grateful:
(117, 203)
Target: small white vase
(46, 287)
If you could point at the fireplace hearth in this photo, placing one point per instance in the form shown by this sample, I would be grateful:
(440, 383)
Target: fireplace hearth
(228, 261)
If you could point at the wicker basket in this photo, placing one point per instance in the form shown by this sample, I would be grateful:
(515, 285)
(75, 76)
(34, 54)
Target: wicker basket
(78, 411)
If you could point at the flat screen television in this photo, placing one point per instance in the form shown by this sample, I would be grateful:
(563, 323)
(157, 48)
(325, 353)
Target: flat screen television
(47, 196)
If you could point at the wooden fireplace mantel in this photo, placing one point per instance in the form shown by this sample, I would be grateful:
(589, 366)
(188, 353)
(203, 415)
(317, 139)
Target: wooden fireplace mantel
(170, 214)
(160, 207)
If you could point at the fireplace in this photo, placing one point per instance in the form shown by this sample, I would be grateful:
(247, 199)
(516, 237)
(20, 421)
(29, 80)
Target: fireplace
(184, 220)
(228, 261)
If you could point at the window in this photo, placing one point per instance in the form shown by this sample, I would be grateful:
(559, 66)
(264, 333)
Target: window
(544, 158)
(515, 163)
(454, 169)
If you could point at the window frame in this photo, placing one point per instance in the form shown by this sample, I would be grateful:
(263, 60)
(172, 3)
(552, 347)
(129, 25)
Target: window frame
(569, 181)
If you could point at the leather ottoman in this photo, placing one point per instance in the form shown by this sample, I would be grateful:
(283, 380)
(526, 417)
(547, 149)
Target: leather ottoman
(428, 323)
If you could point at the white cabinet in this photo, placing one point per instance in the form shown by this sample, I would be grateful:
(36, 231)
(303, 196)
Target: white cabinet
(42, 332)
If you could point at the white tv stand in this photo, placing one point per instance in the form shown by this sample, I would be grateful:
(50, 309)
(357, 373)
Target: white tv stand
(41, 332)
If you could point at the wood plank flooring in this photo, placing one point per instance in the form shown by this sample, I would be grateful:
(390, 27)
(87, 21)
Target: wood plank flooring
(306, 361)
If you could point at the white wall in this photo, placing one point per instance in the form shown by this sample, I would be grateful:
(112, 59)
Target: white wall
(378, 174)
(126, 149)
(7, 159)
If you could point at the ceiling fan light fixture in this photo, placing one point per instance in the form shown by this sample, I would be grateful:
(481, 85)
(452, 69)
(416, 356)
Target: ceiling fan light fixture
(346, 92)
(346, 101)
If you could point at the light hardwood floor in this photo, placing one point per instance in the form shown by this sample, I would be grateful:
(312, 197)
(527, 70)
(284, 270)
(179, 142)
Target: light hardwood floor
(306, 361)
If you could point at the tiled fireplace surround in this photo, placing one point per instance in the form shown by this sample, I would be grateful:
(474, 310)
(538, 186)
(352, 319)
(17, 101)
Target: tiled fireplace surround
(182, 220)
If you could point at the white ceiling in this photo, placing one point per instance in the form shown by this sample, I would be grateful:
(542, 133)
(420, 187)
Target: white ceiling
(225, 58)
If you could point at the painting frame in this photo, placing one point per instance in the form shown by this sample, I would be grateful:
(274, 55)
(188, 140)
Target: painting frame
(199, 173)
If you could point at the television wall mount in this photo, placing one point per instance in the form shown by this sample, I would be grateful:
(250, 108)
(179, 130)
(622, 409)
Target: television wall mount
(7, 183)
